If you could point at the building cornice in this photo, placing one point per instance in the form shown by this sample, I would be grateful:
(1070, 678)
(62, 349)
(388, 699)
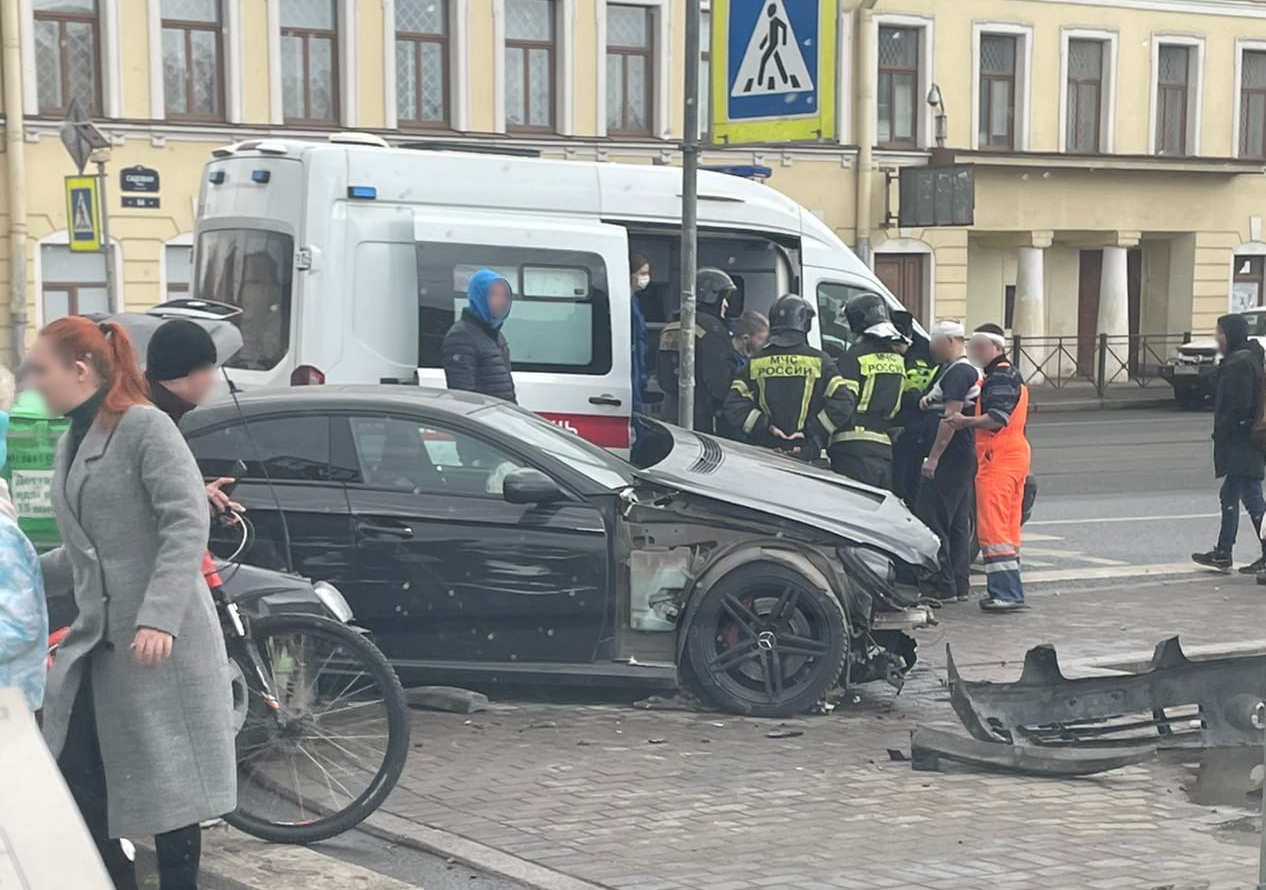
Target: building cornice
(1115, 163)
(1250, 9)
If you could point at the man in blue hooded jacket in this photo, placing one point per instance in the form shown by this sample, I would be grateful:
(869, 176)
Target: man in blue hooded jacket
(476, 355)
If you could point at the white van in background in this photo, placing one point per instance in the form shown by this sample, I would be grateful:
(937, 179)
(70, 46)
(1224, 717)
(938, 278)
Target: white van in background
(349, 260)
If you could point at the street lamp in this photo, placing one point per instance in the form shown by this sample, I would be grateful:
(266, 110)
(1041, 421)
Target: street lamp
(942, 120)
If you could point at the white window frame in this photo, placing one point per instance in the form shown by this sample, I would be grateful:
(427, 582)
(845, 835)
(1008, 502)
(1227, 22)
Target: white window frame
(458, 64)
(926, 119)
(1195, 90)
(347, 13)
(1023, 79)
(62, 238)
(230, 41)
(1242, 45)
(661, 63)
(565, 41)
(1108, 101)
(111, 58)
(184, 239)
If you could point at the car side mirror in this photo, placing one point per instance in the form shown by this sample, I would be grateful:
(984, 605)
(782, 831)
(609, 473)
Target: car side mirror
(530, 486)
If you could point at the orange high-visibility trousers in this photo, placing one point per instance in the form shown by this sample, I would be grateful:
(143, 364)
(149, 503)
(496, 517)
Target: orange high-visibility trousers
(1003, 460)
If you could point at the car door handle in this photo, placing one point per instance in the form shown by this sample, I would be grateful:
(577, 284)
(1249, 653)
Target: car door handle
(605, 399)
(374, 530)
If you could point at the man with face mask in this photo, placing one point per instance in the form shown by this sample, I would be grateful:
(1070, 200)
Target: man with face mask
(476, 355)
(1237, 460)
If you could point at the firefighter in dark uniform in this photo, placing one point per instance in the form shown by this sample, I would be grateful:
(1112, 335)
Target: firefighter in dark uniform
(790, 397)
(908, 447)
(875, 373)
(714, 367)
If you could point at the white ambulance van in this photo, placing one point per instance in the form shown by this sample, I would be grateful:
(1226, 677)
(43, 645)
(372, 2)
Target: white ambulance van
(349, 260)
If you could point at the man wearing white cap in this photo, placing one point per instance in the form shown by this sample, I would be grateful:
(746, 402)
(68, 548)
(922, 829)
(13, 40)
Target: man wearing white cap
(949, 467)
(1002, 455)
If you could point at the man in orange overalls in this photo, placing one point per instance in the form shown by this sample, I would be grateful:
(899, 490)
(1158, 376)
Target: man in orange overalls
(1002, 454)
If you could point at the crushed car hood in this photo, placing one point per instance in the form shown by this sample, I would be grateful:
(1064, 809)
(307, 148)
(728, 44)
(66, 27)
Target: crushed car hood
(791, 490)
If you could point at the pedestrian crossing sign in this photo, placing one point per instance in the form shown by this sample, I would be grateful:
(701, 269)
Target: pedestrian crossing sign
(773, 70)
(83, 213)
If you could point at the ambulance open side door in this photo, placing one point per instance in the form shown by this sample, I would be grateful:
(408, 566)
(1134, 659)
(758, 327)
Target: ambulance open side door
(569, 326)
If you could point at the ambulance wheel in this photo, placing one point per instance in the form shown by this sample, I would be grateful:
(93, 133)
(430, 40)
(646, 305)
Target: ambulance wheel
(767, 642)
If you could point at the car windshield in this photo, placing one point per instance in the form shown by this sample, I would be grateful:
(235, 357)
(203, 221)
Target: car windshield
(1256, 323)
(601, 466)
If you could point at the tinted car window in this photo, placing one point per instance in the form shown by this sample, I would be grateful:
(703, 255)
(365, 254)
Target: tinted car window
(250, 269)
(288, 448)
(407, 456)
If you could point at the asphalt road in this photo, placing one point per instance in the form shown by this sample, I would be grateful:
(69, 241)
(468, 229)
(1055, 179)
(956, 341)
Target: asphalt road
(1123, 489)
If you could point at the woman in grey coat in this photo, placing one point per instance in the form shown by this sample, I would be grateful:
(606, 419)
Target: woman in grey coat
(138, 707)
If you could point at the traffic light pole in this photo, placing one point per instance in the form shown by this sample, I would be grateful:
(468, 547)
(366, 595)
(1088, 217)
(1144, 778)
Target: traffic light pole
(689, 219)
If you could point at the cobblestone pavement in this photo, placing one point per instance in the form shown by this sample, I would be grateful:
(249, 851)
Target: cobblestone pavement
(664, 800)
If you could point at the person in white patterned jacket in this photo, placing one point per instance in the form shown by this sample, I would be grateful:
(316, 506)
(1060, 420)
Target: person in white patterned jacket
(23, 613)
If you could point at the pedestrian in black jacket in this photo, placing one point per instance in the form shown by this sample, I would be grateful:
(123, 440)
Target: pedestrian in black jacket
(1236, 460)
(476, 355)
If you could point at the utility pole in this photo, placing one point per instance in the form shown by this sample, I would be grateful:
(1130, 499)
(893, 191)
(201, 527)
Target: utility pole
(100, 157)
(689, 220)
(15, 168)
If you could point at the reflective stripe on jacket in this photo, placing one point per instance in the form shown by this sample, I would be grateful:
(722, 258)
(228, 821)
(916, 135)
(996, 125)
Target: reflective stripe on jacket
(876, 375)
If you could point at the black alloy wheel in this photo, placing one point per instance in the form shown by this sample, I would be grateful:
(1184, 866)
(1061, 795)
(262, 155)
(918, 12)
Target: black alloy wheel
(767, 642)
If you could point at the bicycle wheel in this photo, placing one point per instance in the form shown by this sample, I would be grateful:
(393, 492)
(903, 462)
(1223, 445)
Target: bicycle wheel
(329, 751)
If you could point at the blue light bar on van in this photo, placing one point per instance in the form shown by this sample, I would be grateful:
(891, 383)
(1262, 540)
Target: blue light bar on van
(261, 176)
(216, 177)
(362, 192)
(746, 171)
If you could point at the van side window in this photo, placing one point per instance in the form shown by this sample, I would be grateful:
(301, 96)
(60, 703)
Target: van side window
(832, 298)
(561, 317)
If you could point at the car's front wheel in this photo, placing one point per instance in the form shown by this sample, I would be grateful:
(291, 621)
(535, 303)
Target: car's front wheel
(766, 641)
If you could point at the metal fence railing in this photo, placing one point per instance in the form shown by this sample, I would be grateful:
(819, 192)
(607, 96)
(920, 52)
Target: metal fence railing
(1101, 360)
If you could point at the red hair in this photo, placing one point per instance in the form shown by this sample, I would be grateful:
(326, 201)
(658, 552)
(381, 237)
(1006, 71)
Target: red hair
(107, 349)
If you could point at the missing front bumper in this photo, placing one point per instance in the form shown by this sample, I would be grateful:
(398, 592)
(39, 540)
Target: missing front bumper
(1174, 703)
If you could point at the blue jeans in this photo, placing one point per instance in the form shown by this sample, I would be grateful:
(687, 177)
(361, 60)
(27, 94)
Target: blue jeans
(1237, 490)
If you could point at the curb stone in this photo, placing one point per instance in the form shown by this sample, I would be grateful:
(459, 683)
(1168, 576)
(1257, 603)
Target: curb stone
(470, 853)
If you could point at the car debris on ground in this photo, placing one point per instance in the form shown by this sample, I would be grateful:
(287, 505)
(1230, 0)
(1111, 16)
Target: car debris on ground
(1174, 702)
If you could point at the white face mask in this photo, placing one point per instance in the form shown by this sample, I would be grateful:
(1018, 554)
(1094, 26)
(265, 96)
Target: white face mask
(641, 281)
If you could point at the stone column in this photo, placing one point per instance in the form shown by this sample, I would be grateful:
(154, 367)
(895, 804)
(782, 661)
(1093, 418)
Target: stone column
(1029, 320)
(1114, 306)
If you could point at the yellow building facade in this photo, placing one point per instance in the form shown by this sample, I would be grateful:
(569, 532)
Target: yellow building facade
(1118, 145)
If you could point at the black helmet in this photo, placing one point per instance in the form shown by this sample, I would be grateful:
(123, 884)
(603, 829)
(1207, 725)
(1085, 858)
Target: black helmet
(903, 321)
(791, 312)
(712, 286)
(790, 320)
(865, 311)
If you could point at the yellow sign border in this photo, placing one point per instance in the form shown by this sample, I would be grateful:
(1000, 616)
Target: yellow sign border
(74, 183)
(821, 128)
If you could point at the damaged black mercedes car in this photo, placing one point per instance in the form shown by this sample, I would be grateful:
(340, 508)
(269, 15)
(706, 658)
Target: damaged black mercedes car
(478, 543)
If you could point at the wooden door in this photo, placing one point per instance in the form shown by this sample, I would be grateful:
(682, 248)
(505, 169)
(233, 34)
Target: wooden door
(904, 275)
(1088, 283)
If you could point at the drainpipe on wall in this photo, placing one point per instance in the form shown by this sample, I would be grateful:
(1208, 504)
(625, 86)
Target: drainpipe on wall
(15, 169)
(865, 124)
